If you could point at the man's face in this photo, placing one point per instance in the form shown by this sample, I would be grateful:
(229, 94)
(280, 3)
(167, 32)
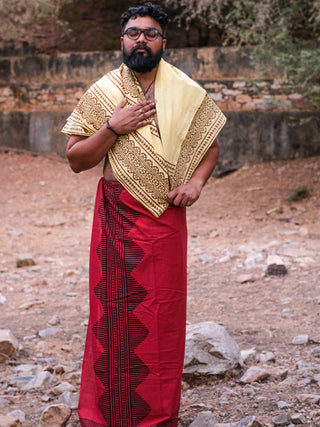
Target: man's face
(142, 55)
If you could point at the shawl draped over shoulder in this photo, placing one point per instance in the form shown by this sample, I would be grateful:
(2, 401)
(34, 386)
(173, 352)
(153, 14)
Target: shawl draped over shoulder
(149, 162)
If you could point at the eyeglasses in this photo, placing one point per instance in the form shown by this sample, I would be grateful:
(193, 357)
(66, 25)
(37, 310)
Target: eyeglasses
(149, 33)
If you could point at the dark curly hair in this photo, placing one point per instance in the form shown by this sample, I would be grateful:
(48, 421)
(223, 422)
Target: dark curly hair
(148, 9)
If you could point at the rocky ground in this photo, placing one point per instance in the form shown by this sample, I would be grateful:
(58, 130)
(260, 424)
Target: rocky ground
(240, 223)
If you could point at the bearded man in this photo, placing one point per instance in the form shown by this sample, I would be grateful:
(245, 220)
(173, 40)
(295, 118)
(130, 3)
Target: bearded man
(156, 129)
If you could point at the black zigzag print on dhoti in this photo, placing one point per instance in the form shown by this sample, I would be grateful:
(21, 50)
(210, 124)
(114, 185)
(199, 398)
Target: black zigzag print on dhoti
(119, 331)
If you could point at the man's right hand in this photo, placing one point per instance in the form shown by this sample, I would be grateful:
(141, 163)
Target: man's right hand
(125, 120)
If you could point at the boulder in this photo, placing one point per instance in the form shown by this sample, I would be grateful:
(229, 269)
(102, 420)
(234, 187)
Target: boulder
(55, 416)
(210, 351)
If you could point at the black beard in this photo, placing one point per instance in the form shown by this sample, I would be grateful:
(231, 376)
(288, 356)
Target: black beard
(139, 62)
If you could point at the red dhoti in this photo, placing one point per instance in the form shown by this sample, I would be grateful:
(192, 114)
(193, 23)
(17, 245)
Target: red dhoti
(134, 350)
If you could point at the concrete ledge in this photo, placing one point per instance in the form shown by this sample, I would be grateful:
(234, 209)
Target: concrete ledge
(249, 137)
(205, 63)
(35, 131)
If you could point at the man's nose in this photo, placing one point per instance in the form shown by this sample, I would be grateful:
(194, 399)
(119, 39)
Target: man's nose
(142, 37)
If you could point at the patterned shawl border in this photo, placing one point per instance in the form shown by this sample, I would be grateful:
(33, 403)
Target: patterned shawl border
(206, 125)
(90, 114)
(74, 126)
(145, 181)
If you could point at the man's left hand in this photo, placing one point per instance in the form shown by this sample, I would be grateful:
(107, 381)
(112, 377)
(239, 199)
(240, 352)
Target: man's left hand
(185, 194)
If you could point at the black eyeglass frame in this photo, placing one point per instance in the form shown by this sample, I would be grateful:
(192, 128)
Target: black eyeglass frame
(125, 33)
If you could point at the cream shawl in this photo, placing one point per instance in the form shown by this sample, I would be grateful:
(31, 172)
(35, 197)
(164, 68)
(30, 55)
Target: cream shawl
(146, 164)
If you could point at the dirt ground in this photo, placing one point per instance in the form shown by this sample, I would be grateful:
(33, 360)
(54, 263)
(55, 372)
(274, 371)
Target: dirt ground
(240, 220)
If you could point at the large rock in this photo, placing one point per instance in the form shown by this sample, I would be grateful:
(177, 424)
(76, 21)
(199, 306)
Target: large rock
(210, 351)
(8, 344)
(55, 416)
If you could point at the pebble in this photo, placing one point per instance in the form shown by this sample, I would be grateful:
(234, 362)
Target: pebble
(316, 351)
(249, 355)
(205, 418)
(7, 421)
(38, 283)
(48, 331)
(281, 420)
(249, 390)
(59, 370)
(40, 380)
(54, 321)
(250, 421)
(28, 369)
(4, 404)
(61, 388)
(276, 270)
(309, 398)
(70, 399)
(298, 419)
(18, 414)
(283, 405)
(254, 374)
(29, 304)
(8, 344)
(3, 299)
(300, 339)
(315, 339)
(246, 278)
(21, 380)
(267, 356)
(25, 260)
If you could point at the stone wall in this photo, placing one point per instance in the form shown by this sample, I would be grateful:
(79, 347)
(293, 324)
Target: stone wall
(266, 121)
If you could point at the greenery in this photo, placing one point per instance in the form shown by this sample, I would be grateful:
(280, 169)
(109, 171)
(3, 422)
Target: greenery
(284, 34)
(299, 193)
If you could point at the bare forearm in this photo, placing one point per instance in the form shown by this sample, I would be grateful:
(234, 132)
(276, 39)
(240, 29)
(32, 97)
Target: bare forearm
(187, 194)
(207, 165)
(86, 152)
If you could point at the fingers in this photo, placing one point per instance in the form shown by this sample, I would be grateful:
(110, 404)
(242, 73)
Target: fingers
(146, 107)
(122, 103)
(144, 114)
(127, 119)
(175, 198)
(183, 196)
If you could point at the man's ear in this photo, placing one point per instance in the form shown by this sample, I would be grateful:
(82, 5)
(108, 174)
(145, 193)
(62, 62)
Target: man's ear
(121, 42)
(164, 42)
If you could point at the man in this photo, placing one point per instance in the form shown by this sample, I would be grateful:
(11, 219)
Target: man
(156, 130)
